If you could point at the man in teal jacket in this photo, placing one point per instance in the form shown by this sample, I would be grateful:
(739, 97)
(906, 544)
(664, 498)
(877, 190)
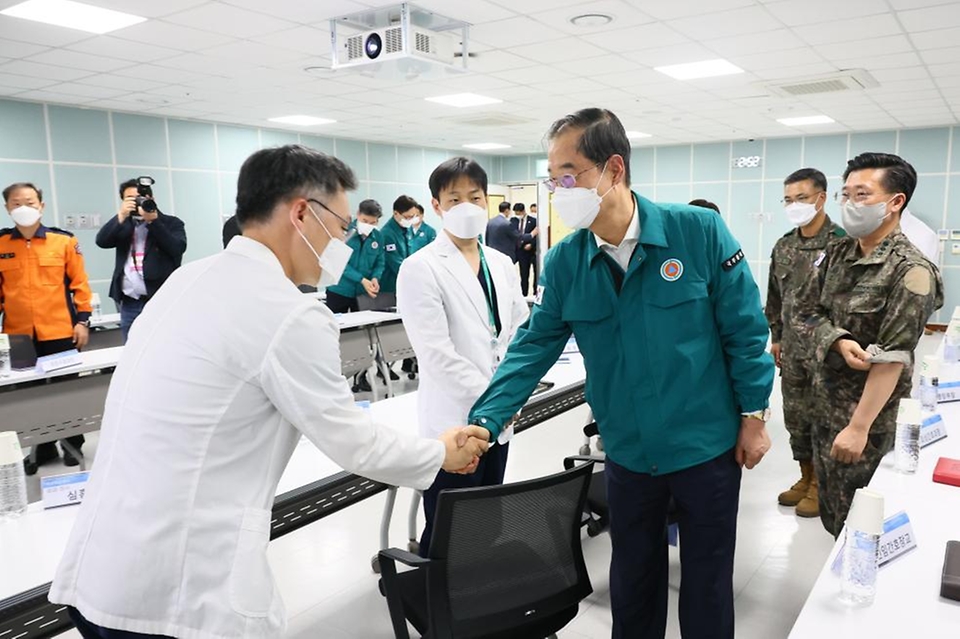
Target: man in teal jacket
(668, 319)
(359, 285)
(421, 233)
(396, 244)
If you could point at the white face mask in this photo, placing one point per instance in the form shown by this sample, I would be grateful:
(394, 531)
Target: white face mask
(25, 215)
(465, 220)
(405, 223)
(417, 220)
(578, 207)
(365, 229)
(800, 213)
(860, 220)
(335, 256)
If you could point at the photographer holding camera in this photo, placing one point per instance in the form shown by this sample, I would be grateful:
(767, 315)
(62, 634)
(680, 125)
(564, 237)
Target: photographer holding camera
(150, 246)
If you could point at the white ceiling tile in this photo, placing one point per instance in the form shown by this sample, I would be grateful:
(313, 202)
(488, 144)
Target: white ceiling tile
(871, 62)
(604, 64)
(622, 13)
(513, 32)
(37, 33)
(645, 36)
(199, 63)
(674, 54)
(253, 53)
(111, 47)
(42, 71)
(830, 31)
(870, 47)
(74, 60)
(775, 59)
(160, 74)
(229, 20)
(670, 9)
(902, 5)
(9, 80)
(148, 8)
(86, 90)
(313, 41)
(773, 40)
(931, 18)
(782, 73)
(937, 39)
(300, 11)
(941, 56)
(173, 36)
(14, 50)
(820, 13)
(471, 11)
(496, 61)
(53, 97)
(726, 23)
(558, 52)
(120, 82)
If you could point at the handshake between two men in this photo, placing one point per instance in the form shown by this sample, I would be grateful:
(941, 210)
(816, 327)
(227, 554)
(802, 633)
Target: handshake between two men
(464, 447)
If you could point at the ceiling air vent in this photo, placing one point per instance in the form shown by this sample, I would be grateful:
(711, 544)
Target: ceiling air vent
(848, 80)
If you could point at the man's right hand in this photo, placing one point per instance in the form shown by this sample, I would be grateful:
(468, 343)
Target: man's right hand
(369, 287)
(464, 447)
(855, 357)
(775, 351)
(128, 208)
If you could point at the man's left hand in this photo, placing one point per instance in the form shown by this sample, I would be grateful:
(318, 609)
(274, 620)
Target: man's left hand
(752, 443)
(81, 335)
(148, 217)
(849, 444)
(528, 247)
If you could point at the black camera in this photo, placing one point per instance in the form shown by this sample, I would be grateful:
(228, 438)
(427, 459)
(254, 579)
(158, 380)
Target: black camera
(145, 194)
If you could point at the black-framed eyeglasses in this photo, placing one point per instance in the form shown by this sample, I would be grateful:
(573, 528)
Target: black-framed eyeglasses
(346, 228)
(567, 180)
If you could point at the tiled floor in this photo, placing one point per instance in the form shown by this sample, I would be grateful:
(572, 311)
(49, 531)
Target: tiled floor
(323, 571)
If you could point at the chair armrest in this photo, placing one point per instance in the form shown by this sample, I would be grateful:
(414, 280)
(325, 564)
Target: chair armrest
(404, 557)
(591, 429)
(390, 586)
(570, 462)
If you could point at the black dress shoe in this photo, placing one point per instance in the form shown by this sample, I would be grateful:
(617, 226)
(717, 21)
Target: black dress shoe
(69, 459)
(364, 384)
(29, 467)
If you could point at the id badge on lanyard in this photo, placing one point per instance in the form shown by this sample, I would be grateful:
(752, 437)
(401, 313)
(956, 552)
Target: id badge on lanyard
(491, 318)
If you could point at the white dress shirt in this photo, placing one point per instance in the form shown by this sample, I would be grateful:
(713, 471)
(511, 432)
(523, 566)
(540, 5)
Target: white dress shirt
(133, 284)
(624, 251)
(223, 371)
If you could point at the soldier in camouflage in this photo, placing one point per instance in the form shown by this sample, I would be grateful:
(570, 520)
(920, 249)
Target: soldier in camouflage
(791, 264)
(862, 315)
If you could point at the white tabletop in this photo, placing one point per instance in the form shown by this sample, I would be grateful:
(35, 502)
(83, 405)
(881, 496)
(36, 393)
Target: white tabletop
(908, 602)
(91, 361)
(110, 319)
(31, 546)
(366, 318)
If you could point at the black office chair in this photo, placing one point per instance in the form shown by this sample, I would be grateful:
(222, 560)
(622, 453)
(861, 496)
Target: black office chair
(505, 563)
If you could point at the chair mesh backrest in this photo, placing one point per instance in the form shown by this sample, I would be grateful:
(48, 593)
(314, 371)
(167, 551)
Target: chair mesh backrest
(510, 547)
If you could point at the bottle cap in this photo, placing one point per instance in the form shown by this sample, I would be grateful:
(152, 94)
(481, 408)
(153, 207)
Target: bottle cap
(866, 512)
(909, 411)
(930, 367)
(10, 452)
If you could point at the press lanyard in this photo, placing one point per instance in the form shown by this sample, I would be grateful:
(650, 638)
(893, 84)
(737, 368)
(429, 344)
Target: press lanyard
(491, 318)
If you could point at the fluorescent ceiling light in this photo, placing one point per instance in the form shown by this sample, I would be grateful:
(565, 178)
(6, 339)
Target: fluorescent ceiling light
(805, 120)
(461, 100)
(301, 120)
(486, 146)
(636, 135)
(702, 69)
(73, 15)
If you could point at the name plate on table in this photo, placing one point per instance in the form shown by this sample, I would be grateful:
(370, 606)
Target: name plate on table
(933, 429)
(948, 392)
(897, 539)
(64, 490)
(55, 362)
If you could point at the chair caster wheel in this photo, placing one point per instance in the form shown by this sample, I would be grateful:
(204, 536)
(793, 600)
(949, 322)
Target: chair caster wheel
(375, 564)
(585, 449)
(594, 528)
(414, 547)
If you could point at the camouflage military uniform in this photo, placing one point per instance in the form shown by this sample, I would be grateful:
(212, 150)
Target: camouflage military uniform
(791, 264)
(883, 300)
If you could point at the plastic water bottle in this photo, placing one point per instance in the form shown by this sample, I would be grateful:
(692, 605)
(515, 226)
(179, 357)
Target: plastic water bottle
(929, 381)
(907, 451)
(13, 481)
(97, 308)
(858, 578)
(951, 343)
(4, 356)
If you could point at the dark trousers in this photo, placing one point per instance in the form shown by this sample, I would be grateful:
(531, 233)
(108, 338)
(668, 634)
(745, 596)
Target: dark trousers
(527, 259)
(340, 304)
(707, 499)
(92, 631)
(489, 473)
(130, 310)
(48, 451)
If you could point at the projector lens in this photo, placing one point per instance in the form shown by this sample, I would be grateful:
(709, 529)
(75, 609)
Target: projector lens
(373, 46)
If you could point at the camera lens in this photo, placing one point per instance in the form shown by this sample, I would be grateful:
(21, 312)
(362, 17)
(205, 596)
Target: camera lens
(373, 46)
(148, 205)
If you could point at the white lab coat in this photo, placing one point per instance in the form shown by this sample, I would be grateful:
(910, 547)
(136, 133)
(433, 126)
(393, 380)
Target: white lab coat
(446, 318)
(225, 368)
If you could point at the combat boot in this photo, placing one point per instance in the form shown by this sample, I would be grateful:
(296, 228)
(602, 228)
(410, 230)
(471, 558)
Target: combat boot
(809, 506)
(800, 489)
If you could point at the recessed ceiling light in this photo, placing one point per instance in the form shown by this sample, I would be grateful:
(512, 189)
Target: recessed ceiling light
(461, 100)
(636, 135)
(301, 120)
(591, 20)
(702, 69)
(486, 146)
(805, 120)
(73, 15)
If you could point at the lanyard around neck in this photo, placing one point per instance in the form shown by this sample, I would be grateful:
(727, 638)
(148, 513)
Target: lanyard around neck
(491, 318)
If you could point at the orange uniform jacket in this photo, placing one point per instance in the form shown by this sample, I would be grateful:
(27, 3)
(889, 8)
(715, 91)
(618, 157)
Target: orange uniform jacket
(43, 285)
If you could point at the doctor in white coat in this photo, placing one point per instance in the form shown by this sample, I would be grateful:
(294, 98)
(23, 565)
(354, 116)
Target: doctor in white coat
(225, 370)
(461, 306)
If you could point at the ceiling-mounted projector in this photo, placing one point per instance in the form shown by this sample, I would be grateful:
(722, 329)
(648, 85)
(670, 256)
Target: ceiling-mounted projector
(400, 41)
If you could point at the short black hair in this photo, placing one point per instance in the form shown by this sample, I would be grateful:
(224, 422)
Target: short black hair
(705, 204)
(504, 207)
(420, 208)
(370, 207)
(603, 135)
(518, 206)
(21, 185)
(279, 173)
(899, 176)
(133, 183)
(817, 177)
(533, 205)
(404, 203)
(448, 172)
